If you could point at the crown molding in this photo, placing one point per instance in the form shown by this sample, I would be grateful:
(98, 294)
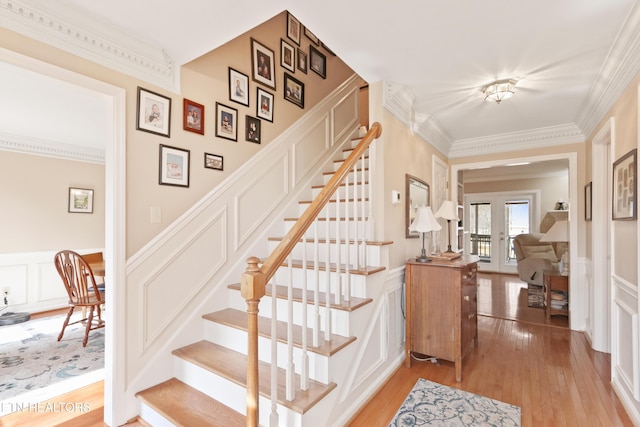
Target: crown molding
(41, 147)
(92, 40)
(514, 141)
(515, 176)
(621, 66)
(399, 101)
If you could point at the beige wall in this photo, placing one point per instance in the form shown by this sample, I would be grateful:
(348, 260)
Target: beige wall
(34, 213)
(205, 81)
(404, 153)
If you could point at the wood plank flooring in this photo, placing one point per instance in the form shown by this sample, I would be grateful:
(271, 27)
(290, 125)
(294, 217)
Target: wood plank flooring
(550, 372)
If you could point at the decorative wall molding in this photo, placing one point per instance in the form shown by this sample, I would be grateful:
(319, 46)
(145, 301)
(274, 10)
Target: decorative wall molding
(88, 38)
(41, 147)
(514, 141)
(621, 66)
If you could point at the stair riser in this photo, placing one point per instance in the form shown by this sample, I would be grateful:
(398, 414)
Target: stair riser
(358, 282)
(332, 207)
(153, 418)
(373, 253)
(358, 174)
(337, 165)
(355, 229)
(236, 339)
(351, 191)
(229, 393)
(340, 319)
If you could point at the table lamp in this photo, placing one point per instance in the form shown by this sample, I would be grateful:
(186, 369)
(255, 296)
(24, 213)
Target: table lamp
(424, 223)
(448, 211)
(559, 232)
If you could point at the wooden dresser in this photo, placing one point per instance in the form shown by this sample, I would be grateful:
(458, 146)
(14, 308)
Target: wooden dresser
(441, 309)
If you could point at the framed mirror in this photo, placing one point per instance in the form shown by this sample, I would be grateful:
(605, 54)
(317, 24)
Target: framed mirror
(417, 194)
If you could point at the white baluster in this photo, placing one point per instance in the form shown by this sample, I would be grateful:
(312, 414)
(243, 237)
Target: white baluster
(355, 214)
(304, 368)
(338, 296)
(347, 241)
(290, 390)
(364, 221)
(327, 291)
(316, 290)
(273, 418)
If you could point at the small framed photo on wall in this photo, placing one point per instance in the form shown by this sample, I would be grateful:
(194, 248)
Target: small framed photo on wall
(80, 200)
(318, 62)
(287, 56)
(238, 87)
(293, 90)
(154, 112)
(252, 125)
(263, 64)
(193, 116)
(624, 187)
(264, 105)
(226, 122)
(213, 161)
(174, 166)
(293, 28)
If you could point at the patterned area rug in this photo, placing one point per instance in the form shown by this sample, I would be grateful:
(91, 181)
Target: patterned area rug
(536, 296)
(31, 357)
(433, 404)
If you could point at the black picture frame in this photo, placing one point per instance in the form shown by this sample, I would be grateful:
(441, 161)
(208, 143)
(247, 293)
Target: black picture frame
(287, 56)
(301, 60)
(263, 62)
(264, 104)
(153, 112)
(624, 194)
(588, 203)
(252, 129)
(213, 161)
(311, 36)
(317, 62)
(293, 28)
(226, 122)
(238, 87)
(173, 166)
(293, 90)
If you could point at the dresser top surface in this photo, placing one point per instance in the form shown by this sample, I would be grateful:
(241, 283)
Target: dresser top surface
(456, 263)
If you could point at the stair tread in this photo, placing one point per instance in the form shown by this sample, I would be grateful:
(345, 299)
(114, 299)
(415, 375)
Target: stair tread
(322, 266)
(238, 320)
(359, 170)
(342, 160)
(183, 405)
(342, 200)
(331, 218)
(333, 241)
(351, 305)
(341, 185)
(233, 366)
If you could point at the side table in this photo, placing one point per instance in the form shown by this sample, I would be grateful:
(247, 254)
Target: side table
(556, 290)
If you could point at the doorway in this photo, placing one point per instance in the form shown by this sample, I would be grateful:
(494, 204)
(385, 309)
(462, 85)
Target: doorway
(494, 219)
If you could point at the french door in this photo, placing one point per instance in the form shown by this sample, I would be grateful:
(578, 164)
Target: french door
(494, 219)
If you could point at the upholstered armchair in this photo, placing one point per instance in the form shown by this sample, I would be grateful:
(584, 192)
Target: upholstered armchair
(533, 257)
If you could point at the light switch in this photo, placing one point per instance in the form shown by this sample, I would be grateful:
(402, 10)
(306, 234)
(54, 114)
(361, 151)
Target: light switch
(395, 197)
(156, 215)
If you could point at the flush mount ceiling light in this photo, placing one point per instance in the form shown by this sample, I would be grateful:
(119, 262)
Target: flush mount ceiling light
(499, 90)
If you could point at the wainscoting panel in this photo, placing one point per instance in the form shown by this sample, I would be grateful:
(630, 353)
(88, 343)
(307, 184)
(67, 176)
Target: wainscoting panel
(625, 356)
(307, 152)
(345, 115)
(260, 197)
(50, 287)
(14, 279)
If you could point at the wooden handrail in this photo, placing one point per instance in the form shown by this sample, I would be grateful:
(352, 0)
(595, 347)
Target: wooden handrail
(254, 279)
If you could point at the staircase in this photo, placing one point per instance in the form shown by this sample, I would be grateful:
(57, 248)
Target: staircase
(321, 293)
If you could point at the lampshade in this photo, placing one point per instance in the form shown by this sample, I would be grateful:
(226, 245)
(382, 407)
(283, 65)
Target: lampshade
(424, 221)
(499, 90)
(447, 211)
(559, 232)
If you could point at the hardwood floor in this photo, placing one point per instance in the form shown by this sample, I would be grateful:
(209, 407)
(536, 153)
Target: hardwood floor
(546, 369)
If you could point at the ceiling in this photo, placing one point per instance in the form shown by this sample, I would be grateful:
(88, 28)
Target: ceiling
(438, 54)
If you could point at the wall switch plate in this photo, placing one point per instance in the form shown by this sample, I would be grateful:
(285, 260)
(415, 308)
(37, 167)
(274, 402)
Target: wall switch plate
(156, 214)
(395, 197)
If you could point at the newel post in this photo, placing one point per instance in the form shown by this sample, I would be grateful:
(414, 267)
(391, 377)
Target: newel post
(252, 286)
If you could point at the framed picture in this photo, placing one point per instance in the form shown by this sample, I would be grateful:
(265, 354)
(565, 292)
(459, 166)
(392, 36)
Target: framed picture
(153, 112)
(318, 62)
(587, 202)
(226, 122)
(287, 56)
(174, 166)
(264, 105)
(213, 161)
(311, 36)
(293, 90)
(302, 60)
(263, 64)
(293, 28)
(624, 187)
(80, 200)
(252, 125)
(238, 87)
(193, 116)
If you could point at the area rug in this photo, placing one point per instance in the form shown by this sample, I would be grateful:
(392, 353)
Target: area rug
(536, 296)
(433, 404)
(31, 357)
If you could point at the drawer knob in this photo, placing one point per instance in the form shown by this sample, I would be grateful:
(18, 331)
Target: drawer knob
(466, 297)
